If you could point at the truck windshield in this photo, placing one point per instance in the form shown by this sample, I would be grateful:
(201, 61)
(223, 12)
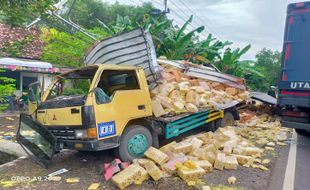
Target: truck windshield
(76, 83)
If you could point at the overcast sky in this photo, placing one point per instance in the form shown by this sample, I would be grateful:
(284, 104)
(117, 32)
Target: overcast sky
(256, 22)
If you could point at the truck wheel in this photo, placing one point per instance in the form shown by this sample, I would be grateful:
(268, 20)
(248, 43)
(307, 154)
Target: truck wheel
(135, 140)
(228, 120)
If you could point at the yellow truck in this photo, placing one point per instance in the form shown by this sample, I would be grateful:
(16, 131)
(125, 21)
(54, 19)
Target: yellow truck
(103, 106)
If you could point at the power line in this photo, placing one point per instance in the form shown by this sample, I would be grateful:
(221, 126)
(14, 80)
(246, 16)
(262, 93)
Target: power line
(209, 27)
(191, 24)
(184, 12)
(179, 16)
(135, 2)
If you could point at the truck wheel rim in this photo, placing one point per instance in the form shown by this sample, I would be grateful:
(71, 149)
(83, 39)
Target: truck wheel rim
(137, 145)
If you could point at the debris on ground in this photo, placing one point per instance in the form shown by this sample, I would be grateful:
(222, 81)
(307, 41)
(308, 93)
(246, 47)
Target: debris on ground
(156, 155)
(10, 126)
(9, 134)
(63, 170)
(128, 176)
(113, 167)
(232, 180)
(227, 148)
(93, 186)
(206, 187)
(73, 180)
(9, 118)
(266, 161)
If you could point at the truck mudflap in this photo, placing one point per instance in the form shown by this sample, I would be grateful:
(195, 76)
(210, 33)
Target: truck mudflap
(34, 137)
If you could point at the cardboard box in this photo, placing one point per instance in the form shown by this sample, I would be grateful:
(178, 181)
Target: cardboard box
(156, 155)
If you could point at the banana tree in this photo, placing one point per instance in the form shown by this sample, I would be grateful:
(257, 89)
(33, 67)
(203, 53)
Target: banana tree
(157, 28)
(122, 24)
(176, 42)
(208, 49)
(230, 63)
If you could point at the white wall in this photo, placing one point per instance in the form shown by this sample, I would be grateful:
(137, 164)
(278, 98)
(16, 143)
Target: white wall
(45, 79)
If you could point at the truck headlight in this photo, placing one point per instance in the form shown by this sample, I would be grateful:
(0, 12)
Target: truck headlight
(81, 134)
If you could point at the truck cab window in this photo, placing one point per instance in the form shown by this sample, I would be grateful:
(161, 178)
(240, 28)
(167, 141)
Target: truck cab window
(73, 84)
(112, 81)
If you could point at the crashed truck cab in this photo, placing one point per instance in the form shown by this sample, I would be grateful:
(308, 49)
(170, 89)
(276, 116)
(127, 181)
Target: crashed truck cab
(81, 109)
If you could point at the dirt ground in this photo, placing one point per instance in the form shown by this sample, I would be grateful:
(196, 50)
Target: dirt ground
(88, 166)
(8, 127)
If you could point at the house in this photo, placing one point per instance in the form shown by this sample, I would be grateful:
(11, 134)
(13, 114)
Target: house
(20, 51)
(27, 71)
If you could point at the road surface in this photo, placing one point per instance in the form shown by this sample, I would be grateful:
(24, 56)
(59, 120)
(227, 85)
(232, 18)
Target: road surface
(302, 170)
(292, 170)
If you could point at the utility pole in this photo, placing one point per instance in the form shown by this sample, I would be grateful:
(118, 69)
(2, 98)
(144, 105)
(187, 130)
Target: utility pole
(167, 10)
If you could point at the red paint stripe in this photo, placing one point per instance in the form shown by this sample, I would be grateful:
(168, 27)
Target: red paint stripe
(295, 114)
(298, 5)
(291, 20)
(295, 93)
(301, 11)
(284, 76)
(288, 51)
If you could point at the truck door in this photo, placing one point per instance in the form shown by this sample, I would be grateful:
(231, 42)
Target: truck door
(125, 98)
(34, 137)
(34, 96)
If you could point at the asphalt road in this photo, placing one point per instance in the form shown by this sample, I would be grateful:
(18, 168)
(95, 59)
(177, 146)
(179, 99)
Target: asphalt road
(292, 169)
(302, 170)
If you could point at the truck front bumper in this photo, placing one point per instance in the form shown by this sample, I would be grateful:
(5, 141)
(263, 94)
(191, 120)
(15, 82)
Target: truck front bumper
(295, 125)
(88, 145)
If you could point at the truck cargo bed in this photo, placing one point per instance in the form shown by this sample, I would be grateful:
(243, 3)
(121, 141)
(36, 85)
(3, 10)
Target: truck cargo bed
(178, 124)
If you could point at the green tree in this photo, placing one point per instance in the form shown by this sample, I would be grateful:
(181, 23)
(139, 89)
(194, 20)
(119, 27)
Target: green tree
(230, 61)
(269, 62)
(7, 87)
(65, 49)
(18, 12)
(87, 13)
(210, 49)
(175, 43)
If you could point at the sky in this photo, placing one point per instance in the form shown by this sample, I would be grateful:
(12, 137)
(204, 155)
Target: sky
(256, 22)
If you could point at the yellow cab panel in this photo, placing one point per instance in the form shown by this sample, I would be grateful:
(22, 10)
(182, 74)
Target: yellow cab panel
(62, 103)
(68, 116)
(126, 98)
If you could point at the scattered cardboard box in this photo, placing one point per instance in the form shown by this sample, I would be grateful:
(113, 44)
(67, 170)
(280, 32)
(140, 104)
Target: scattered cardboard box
(156, 155)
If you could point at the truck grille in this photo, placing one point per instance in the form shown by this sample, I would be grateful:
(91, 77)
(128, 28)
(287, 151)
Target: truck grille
(63, 133)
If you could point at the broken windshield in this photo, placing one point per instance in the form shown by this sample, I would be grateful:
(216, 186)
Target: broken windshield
(73, 84)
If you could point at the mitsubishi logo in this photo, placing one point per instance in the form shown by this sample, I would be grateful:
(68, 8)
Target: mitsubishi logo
(54, 118)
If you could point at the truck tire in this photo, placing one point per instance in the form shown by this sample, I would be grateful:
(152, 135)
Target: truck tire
(228, 120)
(135, 140)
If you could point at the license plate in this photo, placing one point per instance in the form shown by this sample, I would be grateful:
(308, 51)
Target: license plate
(106, 129)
